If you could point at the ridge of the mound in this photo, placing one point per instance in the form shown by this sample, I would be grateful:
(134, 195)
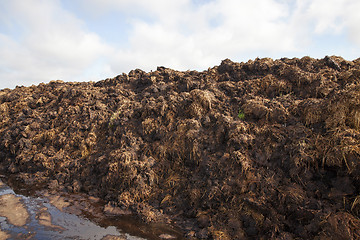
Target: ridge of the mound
(263, 149)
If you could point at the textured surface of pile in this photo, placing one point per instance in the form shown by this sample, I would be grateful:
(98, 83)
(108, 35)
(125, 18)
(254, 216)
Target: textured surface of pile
(263, 149)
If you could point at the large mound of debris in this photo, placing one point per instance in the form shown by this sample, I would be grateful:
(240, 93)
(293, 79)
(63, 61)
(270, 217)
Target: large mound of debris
(263, 149)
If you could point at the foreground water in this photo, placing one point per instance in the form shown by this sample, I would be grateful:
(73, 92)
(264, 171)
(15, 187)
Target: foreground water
(51, 216)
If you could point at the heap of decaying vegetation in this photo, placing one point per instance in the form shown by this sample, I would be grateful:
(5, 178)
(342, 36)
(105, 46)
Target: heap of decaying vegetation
(263, 149)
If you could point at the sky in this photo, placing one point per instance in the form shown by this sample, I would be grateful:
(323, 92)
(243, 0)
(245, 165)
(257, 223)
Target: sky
(91, 40)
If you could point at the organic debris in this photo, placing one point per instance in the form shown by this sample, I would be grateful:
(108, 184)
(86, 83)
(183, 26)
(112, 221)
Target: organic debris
(263, 149)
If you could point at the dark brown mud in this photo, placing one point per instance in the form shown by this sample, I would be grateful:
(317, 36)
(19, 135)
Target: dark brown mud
(256, 150)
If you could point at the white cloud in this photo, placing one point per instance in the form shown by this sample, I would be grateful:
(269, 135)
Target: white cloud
(53, 44)
(184, 34)
(332, 17)
(352, 20)
(327, 14)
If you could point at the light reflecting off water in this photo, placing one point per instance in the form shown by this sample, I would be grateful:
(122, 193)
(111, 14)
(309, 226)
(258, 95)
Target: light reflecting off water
(45, 221)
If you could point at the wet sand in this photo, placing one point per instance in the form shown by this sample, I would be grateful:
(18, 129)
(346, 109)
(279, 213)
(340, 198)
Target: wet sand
(14, 211)
(45, 219)
(4, 235)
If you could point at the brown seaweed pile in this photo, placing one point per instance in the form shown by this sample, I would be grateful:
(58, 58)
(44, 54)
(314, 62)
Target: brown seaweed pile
(256, 150)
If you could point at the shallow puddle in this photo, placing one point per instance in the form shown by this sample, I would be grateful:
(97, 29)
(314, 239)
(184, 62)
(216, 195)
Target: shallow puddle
(49, 216)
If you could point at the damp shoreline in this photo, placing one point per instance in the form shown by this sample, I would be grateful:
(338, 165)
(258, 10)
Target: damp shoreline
(30, 213)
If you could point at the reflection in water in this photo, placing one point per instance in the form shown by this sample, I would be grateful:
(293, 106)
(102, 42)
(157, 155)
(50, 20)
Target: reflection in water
(46, 221)
(61, 226)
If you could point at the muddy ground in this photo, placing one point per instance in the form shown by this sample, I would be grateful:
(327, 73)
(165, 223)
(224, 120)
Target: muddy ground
(59, 215)
(256, 150)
